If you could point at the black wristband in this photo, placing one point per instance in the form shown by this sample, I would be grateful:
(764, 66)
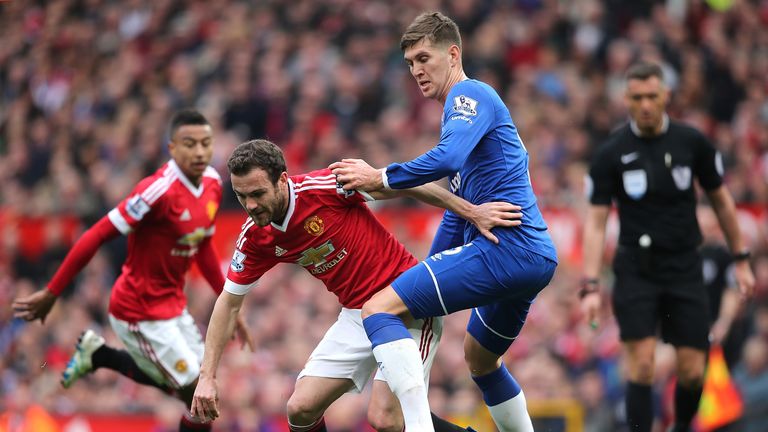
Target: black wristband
(741, 256)
(588, 286)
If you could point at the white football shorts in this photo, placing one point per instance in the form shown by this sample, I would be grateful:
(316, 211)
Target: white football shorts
(170, 351)
(345, 351)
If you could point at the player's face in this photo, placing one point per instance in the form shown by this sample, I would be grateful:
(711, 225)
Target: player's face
(646, 100)
(191, 147)
(431, 66)
(264, 201)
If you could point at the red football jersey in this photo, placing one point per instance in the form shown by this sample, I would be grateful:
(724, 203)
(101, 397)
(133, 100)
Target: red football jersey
(165, 218)
(328, 231)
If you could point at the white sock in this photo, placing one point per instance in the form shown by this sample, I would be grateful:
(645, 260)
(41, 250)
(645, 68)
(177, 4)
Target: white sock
(400, 362)
(512, 415)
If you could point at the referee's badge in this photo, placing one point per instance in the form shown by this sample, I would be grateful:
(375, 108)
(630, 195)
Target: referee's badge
(635, 183)
(682, 177)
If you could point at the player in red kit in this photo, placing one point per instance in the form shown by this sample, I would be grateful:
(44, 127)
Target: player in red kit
(311, 221)
(169, 220)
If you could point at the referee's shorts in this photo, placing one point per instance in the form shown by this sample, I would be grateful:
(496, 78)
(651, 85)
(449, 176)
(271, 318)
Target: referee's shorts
(661, 292)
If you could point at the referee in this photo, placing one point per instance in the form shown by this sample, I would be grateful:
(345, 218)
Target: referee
(647, 167)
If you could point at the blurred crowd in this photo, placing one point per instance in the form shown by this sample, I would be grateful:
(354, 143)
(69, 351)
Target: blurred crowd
(87, 88)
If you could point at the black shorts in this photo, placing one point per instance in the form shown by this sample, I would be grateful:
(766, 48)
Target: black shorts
(647, 297)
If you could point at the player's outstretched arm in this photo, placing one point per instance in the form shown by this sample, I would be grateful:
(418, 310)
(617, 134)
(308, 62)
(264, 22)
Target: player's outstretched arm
(356, 174)
(34, 306)
(38, 304)
(484, 216)
(205, 402)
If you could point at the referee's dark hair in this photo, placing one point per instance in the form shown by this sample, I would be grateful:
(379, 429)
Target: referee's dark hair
(644, 70)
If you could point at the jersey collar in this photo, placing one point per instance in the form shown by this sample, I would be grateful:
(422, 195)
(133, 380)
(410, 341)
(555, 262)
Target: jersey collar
(664, 126)
(291, 207)
(197, 191)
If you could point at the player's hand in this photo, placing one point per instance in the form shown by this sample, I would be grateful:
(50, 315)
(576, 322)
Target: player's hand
(34, 306)
(205, 402)
(745, 279)
(494, 214)
(590, 308)
(357, 174)
(241, 329)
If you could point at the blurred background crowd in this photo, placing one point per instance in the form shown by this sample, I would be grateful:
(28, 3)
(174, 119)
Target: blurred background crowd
(87, 88)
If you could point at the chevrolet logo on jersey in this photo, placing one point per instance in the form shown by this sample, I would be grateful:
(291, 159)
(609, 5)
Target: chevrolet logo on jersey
(316, 256)
(192, 239)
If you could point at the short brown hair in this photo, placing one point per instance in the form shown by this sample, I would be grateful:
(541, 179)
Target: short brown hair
(645, 70)
(258, 153)
(436, 27)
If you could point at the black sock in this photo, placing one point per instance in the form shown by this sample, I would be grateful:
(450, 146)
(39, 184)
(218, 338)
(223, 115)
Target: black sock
(442, 425)
(686, 406)
(121, 361)
(639, 407)
(187, 425)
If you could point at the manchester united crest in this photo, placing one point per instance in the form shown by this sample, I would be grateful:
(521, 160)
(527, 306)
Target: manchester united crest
(314, 225)
(210, 209)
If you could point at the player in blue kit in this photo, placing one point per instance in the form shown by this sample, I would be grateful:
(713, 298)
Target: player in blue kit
(481, 151)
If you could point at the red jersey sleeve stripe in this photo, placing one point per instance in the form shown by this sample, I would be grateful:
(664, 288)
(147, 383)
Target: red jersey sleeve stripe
(158, 188)
(154, 186)
(314, 183)
(238, 289)
(240, 239)
(119, 221)
(324, 177)
(310, 187)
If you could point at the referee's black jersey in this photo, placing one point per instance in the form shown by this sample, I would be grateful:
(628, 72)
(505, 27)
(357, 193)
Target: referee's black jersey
(651, 181)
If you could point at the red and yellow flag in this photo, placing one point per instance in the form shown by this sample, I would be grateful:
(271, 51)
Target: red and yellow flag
(721, 402)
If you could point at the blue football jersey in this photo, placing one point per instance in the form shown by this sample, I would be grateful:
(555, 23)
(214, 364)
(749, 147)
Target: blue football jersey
(485, 159)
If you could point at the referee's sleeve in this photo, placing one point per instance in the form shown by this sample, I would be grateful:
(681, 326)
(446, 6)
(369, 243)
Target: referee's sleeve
(599, 181)
(709, 164)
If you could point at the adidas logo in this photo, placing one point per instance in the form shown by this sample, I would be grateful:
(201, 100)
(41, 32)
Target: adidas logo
(185, 216)
(279, 251)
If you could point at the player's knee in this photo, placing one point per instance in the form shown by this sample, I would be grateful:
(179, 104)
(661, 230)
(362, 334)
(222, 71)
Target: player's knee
(369, 308)
(301, 411)
(479, 360)
(384, 419)
(480, 366)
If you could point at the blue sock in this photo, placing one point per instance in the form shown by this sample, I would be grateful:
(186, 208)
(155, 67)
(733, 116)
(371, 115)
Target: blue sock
(498, 386)
(383, 327)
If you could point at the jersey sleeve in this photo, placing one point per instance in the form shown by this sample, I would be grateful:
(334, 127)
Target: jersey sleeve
(144, 199)
(600, 181)
(709, 164)
(331, 191)
(467, 116)
(247, 264)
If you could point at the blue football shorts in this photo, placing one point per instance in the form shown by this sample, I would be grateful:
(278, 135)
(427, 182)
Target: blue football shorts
(499, 282)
